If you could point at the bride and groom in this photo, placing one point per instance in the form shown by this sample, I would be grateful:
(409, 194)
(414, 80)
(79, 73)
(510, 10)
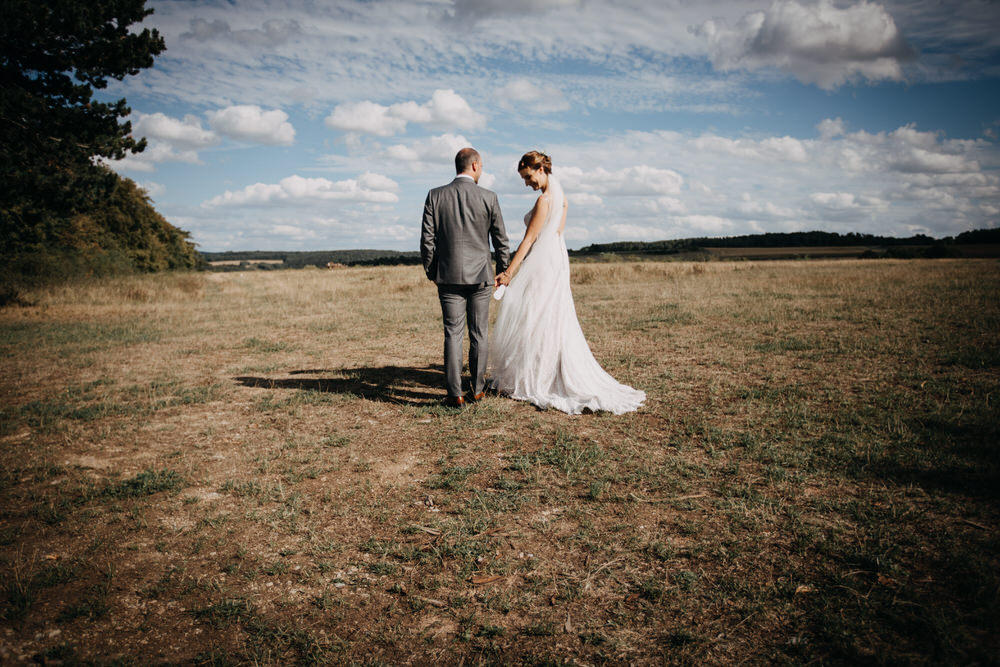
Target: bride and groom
(539, 353)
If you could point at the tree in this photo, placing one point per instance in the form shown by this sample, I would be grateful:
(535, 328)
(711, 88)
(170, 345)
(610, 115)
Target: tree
(53, 54)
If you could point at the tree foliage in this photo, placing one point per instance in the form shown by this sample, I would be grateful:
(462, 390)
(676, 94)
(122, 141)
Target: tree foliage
(54, 194)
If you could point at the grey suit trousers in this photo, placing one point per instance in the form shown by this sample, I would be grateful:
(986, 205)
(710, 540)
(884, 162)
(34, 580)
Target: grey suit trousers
(458, 304)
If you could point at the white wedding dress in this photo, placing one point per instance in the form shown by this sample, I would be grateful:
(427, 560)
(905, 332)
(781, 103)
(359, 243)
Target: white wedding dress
(538, 352)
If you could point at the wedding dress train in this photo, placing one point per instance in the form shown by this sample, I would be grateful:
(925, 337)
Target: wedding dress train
(538, 352)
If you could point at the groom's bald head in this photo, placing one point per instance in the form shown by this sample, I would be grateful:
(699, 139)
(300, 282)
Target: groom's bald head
(465, 158)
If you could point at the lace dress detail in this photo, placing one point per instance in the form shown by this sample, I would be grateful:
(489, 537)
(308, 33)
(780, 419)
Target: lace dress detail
(538, 352)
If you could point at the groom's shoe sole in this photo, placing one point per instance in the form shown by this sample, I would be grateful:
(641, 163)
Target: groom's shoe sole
(454, 401)
(478, 397)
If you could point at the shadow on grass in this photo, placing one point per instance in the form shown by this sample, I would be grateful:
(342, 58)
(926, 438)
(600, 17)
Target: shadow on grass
(392, 384)
(967, 465)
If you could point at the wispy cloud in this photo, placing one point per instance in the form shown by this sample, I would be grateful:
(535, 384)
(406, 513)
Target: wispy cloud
(298, 190)
(521, 94)
(273, 32)
(341, 52)
(665, 119)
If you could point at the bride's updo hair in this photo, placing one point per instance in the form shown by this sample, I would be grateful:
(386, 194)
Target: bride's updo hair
(535, 160)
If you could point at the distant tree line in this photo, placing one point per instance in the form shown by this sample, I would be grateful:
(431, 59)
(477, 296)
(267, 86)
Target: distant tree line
(62, 212)
(978, 237)
(302, 259)
(919, 245)
(787, 240)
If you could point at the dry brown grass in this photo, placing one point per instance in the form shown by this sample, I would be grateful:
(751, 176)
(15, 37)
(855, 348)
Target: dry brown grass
(253, 468)
(789, 253)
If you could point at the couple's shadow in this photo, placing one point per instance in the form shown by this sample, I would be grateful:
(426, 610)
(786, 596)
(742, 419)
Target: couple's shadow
(392, 384)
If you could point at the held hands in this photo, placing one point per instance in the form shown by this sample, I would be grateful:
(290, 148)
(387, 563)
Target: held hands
(502, 279)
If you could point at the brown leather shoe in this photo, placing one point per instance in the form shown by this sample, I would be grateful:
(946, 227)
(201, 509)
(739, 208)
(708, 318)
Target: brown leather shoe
(454, 401)
(478, 397)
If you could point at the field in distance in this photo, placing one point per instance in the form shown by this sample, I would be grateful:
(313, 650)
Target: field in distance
(254, 468)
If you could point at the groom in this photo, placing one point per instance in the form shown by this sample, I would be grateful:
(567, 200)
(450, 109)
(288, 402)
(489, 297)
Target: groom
(459, 220)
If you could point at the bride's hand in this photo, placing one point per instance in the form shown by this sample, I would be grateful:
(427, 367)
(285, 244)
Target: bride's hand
(502, 279)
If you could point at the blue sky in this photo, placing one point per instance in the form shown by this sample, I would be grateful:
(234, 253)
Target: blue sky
(307, 125)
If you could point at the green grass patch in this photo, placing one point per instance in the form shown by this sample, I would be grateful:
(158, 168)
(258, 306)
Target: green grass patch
(146, 483)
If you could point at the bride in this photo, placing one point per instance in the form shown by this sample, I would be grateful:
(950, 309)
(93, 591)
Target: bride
(538, 352)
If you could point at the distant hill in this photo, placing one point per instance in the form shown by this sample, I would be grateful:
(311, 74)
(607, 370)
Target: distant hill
(287, 259)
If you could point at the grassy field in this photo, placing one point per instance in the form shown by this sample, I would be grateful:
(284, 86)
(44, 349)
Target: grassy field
(253, 468)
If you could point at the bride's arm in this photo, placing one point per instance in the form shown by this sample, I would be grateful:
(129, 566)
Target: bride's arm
(538, 215)
(562, 222)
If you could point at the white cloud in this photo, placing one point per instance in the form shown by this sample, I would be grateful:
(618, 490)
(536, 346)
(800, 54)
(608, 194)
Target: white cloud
(704, 224)
(471, 11)
(526, 97)
(634, 53)
(367, 117)
(621, 64)
(638, 180)
(298, 190)
(445, 109)
(185, 133)
(577, 234)
(668, 185)
(375, 182)
(830, 128)
(130, 164)
(631, 231)
(365, 227)
(153, 189)
(431, 151)
(883, 183)
(392, 232)
(908, 151)
(584, 199)
(156, 152)
(919, 160)
(781, 149)
(294, 232)
(815, 42)
(203, 31)
(846, 207)
(837, 200)
(272, 33)
(168, 140)
(750, 207)
(248, 122)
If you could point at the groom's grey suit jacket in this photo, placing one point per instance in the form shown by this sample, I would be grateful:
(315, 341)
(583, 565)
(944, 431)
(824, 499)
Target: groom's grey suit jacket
(459, 221)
